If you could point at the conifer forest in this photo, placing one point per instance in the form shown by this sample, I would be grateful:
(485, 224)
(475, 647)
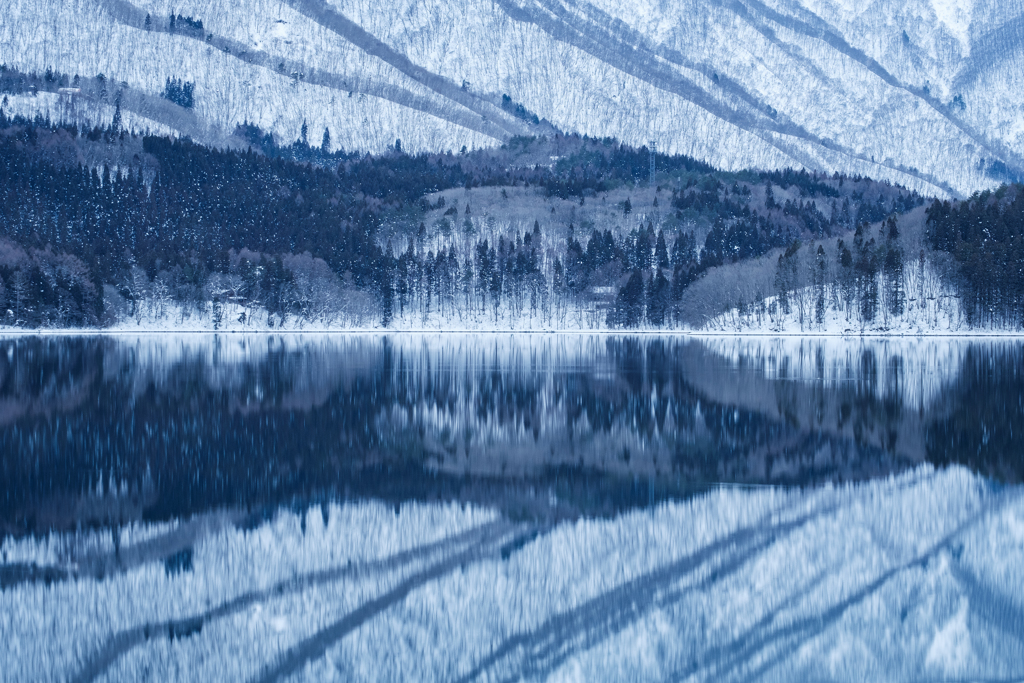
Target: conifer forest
(105, 227)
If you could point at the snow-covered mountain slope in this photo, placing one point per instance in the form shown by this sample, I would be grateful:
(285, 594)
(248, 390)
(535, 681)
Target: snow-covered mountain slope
(920, 92)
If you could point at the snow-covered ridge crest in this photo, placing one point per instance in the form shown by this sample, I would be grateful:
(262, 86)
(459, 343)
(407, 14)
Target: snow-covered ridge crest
(955, 15)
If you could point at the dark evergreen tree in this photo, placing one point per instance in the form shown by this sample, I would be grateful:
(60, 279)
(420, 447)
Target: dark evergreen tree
(628, 310)
(786, 276)
(684, 250)
(820, 267)
(661, 251)
(116, 124)
(892, 269)
(658, 299)
(182, 93)
(866, 266)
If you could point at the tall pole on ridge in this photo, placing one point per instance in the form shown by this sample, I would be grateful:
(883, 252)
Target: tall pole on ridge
(650, 147)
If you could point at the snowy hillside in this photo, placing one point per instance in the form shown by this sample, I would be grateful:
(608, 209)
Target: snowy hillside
(923, 93)
(913, 578)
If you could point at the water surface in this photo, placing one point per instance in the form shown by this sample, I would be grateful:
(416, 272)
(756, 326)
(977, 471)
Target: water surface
(263, 507)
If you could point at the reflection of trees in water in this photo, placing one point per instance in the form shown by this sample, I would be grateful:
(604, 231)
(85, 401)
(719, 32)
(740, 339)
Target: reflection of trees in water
(757, 430)
(861, 407)
(981, 423)
(211, 426)
(197, 445)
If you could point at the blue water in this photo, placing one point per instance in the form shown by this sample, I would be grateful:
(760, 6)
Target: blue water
(501, 507)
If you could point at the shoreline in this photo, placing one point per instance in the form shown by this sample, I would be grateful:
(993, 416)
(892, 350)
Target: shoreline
(698, 334)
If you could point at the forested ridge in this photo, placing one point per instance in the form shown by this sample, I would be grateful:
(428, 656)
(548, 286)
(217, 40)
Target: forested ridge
(985, 235)
(104, 227)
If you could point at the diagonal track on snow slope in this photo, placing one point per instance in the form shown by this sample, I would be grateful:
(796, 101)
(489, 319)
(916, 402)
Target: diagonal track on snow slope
(123, 642)
(444, 109)
(758, 16)
(317, 645)
(641, 63)
(321, 13)
(145, 105)
(816, 28)
(646, 65)
(991, 49)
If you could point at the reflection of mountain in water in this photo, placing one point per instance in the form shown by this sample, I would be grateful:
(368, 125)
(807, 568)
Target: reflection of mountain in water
(918, 577)
(102, 429)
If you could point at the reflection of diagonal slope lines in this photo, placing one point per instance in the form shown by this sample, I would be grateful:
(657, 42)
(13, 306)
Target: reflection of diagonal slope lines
(774, 644)
(316, 646)
(537, 653)
(102, 565)
(986, 603)
(475, 540)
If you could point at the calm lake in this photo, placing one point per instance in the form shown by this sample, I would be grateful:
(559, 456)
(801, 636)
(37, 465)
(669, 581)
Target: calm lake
(510, 507)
